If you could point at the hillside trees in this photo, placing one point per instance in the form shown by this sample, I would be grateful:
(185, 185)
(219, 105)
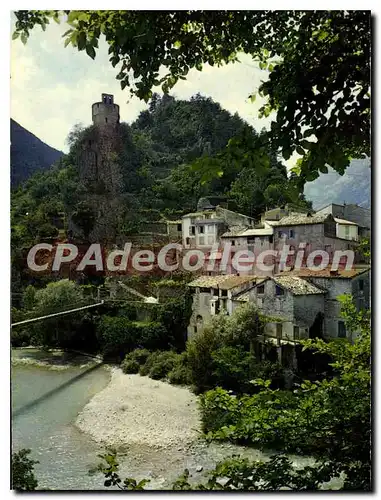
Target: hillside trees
(318, 65)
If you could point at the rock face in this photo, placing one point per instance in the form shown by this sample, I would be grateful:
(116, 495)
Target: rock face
(29, 154)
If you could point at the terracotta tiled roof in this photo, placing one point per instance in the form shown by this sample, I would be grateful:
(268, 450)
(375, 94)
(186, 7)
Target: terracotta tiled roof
(297, 285)
(346, 222)
(225, 281)
(234, 231)
(297, 219)
(327, 273)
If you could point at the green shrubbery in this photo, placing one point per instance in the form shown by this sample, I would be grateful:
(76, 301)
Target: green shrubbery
(223, 354)
(119, 336)
(158, 365)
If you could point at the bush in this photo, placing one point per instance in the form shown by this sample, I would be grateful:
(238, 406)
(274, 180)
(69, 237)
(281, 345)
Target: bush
(130, 366)
(159, 364)
(180, 375)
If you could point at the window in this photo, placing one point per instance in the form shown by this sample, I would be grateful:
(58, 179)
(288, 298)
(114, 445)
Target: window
(187, 241)
(215, 291)
(292, 233)
(296, 332)
(346, 231)
(179, 227)
(224, 293)
(233, 243)
(278, 290)
(210, 228)
(201, 229)
(201, 240)
(279, 330)
(210, 240)
(260, 289)
(361, 285)
(271, 239)
(251, 239)
(192, 230)
(341, 330)
(106, 120)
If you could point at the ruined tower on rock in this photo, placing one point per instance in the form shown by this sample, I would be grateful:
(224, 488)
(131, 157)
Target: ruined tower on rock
(100, 172)
(98, 167)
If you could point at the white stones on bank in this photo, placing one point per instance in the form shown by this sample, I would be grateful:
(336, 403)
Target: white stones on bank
(138, 410)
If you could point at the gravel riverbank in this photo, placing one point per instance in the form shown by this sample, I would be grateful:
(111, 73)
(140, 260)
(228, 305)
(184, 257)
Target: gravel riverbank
(155, 428)
(138, 410)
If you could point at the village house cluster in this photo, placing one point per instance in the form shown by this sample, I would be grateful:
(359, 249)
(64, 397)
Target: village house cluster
(304, 303)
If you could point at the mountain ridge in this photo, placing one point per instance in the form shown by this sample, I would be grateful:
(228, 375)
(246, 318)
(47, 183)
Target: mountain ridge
(29, 154)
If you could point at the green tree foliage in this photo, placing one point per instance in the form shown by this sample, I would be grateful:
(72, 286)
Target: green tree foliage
(23, 478)
(318, 65)
(56, 332)
(329, 419)
(119, 335)
(224, 353)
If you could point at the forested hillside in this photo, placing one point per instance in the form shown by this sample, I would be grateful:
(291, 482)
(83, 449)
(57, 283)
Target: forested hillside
(29, 154)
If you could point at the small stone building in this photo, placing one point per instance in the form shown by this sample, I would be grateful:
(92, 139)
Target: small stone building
(297, 304)
(215, 295)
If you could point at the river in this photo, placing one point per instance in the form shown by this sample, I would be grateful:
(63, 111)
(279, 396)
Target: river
(49, 390)
(45, 403)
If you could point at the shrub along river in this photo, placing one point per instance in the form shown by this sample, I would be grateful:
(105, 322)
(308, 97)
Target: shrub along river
(49, 390)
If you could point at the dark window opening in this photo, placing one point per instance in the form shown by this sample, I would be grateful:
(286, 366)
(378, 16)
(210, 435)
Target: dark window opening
(106, 120)
(279, 290)
(292, 234)
(192, 230)
(342, 333)
(279, 330)
(187, 241)
(201, 229)
(271, 239)
(361, 285)
(251, 239)
(224, 293)
(215, 291)
(233, 243)
(296, 332)
(261, 289)
(179, 227)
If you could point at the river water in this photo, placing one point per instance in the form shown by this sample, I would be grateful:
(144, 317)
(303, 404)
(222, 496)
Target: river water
(48, 392)
(45, 403)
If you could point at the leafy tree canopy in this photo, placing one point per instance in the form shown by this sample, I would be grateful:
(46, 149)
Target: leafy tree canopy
(318, 65)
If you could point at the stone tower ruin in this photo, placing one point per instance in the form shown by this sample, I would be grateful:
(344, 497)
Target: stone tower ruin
(105, 112)
(99, 170)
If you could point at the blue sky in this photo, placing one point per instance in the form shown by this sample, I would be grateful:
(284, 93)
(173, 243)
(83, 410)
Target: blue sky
(53, 87)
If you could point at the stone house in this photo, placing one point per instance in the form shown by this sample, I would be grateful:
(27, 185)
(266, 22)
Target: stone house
(174, 230)
(314, 232)
(203, 229)
(257, 239)
(355, 282)
(215, 295)
(351, 212)
(347, 230)
(296, 305)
